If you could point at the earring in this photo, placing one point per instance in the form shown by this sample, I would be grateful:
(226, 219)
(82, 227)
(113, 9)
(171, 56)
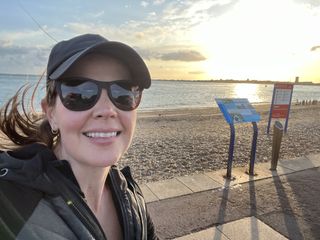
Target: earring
(54, 132)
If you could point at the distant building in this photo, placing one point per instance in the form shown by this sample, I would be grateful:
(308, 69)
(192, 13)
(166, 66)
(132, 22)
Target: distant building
(297, 80)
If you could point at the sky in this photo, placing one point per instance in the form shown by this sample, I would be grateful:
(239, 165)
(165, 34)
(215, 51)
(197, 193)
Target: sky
(181, 40)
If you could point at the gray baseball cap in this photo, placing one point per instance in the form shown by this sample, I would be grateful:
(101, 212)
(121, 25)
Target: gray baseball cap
(65, 53)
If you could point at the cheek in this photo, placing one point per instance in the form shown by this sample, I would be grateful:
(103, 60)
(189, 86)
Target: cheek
(71, 124)
(69, 121)
(129, 120)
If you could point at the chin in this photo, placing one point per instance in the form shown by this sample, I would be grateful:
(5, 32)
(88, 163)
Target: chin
(105, 162)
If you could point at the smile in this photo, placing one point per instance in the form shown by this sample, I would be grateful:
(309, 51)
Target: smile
(101, 134)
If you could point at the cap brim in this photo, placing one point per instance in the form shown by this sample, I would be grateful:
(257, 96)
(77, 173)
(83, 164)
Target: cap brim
(127, 55)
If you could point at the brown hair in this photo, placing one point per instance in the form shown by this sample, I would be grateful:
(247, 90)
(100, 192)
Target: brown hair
(21, 126)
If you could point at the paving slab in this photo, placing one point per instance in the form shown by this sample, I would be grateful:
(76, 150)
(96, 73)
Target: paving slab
(239, 175)
(199, 182)
(287, 204)
(208, 234)
(168, 188)
(297, 164)
(249, 228)
(315, 159)
(219, 176)
(149, 196)
(280, 170)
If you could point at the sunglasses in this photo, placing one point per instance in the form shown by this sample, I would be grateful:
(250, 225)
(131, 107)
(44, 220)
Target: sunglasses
(81, 94)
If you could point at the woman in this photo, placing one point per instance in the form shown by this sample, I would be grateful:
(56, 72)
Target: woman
(61, 182)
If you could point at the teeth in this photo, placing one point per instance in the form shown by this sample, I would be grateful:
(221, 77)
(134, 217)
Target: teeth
(101, 134)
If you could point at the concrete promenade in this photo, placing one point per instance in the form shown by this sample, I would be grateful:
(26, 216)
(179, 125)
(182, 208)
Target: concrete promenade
(281, 204)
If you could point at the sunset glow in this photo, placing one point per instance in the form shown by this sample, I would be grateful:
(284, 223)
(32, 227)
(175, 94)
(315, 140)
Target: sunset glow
(192, 40)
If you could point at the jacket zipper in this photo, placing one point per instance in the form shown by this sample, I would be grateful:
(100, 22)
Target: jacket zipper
(79, 209)
(122, 207)
(140, 213)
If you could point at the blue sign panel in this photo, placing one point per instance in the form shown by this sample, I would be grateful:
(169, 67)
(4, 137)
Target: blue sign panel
(237, 110)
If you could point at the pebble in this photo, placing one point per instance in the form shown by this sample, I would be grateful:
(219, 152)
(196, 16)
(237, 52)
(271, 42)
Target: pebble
(170, 146)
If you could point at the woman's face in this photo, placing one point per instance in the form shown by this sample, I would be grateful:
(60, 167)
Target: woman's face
(97, 137)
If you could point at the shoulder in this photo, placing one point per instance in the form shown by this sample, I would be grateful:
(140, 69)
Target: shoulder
(18, 197)
(17, 205)
(27, 152)
(19, 194)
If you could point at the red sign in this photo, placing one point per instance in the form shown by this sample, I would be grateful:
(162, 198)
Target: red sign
(280, 111)
(282, 100)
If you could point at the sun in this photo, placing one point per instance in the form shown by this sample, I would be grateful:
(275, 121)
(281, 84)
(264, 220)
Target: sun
(246, 43)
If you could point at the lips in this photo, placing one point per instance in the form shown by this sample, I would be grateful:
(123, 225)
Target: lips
(101, 134)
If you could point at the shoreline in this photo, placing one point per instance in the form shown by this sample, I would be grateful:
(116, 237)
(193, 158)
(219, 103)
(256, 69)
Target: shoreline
(179, 142)
(191, 110)
(258, 106)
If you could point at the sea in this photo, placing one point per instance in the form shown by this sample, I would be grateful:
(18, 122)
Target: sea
(167, 94)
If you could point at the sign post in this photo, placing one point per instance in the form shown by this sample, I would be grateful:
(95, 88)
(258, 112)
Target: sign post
(239, 110)
(281, 103)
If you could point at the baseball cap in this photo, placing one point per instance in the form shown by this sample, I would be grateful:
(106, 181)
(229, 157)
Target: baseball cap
(65, 53)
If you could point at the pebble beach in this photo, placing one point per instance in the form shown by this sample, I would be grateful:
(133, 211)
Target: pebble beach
(181, 142)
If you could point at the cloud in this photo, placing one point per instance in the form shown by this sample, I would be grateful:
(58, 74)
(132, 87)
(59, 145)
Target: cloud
(111, 32)
(314, 48)
(5, 43)
(23, 37)
(79, 27)
(18, 59)
(197, 11)
(12, 50)
(312, 3)
(98, 14)
(145, 53)
(196, 72)
(184, 56)
(158, 2)
(144, 3)
(220, 8)
(140, 35)
(178, 17)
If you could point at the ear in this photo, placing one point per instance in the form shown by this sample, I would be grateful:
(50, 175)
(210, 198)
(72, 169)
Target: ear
(49, 112)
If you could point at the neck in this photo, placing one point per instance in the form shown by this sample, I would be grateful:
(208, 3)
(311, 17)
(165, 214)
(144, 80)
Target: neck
(92, 182)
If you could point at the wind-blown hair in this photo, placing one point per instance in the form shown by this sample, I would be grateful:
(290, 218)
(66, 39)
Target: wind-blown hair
(20, 126)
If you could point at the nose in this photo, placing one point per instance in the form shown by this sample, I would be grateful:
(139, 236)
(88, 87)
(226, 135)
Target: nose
(104, 107)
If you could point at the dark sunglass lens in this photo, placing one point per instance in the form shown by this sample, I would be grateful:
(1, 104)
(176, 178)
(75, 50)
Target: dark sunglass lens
(79, 95)
(125, 96)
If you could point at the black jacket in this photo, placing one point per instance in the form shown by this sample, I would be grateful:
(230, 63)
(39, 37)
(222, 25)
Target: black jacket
(41, 199)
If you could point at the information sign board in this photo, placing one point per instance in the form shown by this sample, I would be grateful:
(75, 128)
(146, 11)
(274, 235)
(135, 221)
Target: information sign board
(237, 110)
(282, 100)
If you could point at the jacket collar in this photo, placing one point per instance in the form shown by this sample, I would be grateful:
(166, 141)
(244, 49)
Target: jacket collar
(26, 166)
